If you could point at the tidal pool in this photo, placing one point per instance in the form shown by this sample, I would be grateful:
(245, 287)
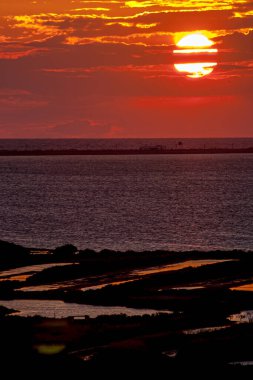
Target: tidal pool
(245, 288)
(101, 286)
(243, 363)
(245, 316)
(176, 266)
(22, 273)
(134, 275)
(60, 309)
(202, 330)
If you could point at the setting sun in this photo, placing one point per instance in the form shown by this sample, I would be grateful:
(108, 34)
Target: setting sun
(193, 45)
(195, 70)
(195, 40)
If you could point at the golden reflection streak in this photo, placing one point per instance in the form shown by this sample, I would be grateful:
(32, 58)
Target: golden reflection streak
(195, 70)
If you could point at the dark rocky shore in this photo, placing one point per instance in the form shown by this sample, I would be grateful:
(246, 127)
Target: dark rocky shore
(204, 335)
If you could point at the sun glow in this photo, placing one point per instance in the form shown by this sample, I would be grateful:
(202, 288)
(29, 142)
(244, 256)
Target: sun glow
(194, 45)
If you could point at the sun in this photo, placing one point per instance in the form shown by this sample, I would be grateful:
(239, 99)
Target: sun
(195, 70)
(195, 40)
(193, 50)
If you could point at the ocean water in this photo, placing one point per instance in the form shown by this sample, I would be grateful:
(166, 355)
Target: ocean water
(141, 202)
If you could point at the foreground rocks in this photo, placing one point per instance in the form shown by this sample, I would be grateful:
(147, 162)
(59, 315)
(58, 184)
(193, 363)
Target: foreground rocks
(200, 338)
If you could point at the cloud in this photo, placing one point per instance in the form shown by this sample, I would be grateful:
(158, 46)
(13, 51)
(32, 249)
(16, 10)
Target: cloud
(73, 69)
(142, 27)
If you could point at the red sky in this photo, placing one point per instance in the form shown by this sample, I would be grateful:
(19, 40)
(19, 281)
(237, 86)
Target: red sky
(72, 68)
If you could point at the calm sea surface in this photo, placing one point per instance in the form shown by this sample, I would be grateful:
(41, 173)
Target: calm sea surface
(141, 202)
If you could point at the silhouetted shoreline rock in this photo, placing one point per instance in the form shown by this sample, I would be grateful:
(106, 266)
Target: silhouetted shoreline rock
(12, 253)
(65, 251)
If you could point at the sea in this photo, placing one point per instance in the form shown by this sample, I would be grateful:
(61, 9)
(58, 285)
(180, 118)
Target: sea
(128, 202)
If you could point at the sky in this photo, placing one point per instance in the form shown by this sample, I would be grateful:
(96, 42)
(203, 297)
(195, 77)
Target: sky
(105, 69)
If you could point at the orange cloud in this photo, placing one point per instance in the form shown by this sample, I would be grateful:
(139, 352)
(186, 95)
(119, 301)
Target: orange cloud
(76, 63)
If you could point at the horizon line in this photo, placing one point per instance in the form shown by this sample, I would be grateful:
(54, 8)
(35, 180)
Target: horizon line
(122, 138)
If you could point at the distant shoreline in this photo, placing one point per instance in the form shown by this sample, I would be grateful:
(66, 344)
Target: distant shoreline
(141, 151)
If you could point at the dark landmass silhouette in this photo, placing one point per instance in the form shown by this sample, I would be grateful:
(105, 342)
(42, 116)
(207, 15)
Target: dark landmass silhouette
(199, 338)
(151, 150)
